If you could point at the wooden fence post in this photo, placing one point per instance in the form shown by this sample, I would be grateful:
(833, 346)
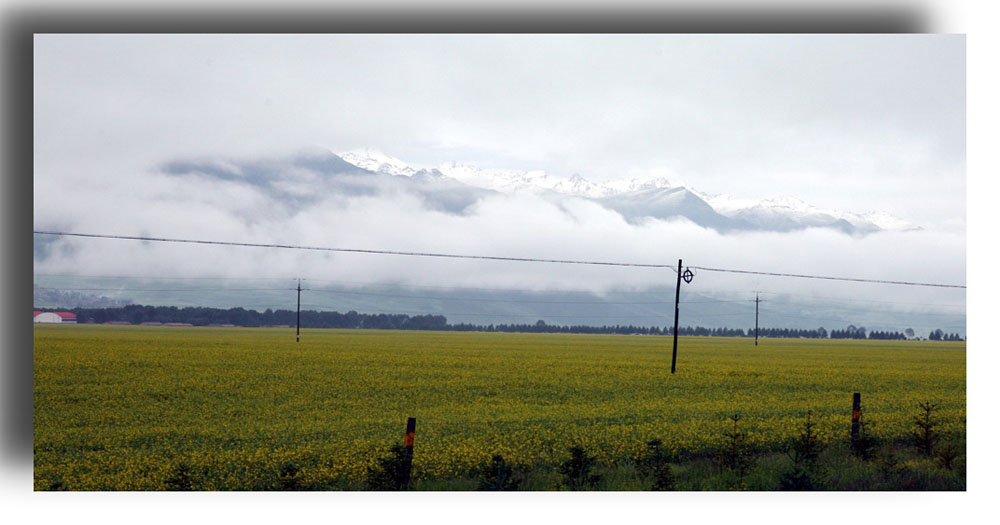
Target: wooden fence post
(411, 429)
(855, 416)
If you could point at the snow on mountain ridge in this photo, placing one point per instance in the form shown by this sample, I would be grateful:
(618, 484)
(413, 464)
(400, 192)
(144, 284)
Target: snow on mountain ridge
(800, 210)
(788, 211)
(374, 160)
(506, 181)
(638, 184)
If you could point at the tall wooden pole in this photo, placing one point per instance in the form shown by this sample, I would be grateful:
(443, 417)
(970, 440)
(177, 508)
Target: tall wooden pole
(677, 312)
(298, 307)
(756, 318)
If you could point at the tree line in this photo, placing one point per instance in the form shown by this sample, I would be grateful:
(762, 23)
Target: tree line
(542, 327)
(204, 316)
(938, 335)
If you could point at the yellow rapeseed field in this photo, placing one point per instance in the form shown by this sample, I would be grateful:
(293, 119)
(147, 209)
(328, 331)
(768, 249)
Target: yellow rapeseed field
(128, 408)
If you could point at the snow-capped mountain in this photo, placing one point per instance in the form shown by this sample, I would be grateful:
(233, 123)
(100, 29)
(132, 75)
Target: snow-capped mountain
(639, 197)
(669, 203)
(788, 213)
(505, 181)
(537, 181)
(373, 160)
(639, 184)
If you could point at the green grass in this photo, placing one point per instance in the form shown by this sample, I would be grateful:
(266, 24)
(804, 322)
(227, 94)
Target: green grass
(121, 408)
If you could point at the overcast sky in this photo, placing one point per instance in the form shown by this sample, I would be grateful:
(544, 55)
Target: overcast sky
(849, 122)
(856, 122)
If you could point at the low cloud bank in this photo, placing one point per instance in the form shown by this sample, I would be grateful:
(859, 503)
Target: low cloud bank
(299, 209)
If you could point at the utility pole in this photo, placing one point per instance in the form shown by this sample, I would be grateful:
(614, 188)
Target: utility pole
(756, 318)
(298, 308)
(687, 275)
(677, 313)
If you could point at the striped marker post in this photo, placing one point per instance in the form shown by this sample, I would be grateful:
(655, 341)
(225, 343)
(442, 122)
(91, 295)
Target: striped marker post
(411, 429)
(855, 416)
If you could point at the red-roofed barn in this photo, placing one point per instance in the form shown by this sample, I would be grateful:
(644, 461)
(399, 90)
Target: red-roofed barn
(55, 317)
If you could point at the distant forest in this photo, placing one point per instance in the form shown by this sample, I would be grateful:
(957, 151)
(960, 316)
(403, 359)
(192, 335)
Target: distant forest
(202, 316)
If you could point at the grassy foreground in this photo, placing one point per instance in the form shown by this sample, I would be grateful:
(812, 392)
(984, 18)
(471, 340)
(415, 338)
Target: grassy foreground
(146, 408)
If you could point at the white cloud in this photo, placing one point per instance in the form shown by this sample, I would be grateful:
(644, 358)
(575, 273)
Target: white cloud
(855, 122)
(505, 225)
(852, 122)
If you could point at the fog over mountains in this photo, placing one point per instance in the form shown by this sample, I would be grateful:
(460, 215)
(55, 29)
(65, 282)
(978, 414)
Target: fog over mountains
(751, 157)
(638, 199)
(370, 200)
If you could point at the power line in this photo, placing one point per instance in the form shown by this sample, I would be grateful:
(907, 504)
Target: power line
(481, 299)
(489, 257)
(802, 276)
(699, 316)
(714, 301)
(165, 289)
(353, 250)
(160, 277)
(366, 284)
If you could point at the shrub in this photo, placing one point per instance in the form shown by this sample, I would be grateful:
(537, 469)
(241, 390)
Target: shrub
(797, 479)
(864, 444)
(576, 470)
(288, 477)
(925, 437)
(391, 472)
(889, 465)
(497, 475)
(733, 454)
(947, 455)
(806, 449)
(57, 485)
(180, 478)
(804, 452)
(655, 463)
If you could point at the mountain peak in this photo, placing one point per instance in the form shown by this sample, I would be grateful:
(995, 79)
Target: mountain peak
(654, 195)
(374, 160)
(649, 182)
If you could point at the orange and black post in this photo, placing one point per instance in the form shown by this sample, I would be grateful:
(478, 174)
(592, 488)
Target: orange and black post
(411, 430)
(855, 416)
